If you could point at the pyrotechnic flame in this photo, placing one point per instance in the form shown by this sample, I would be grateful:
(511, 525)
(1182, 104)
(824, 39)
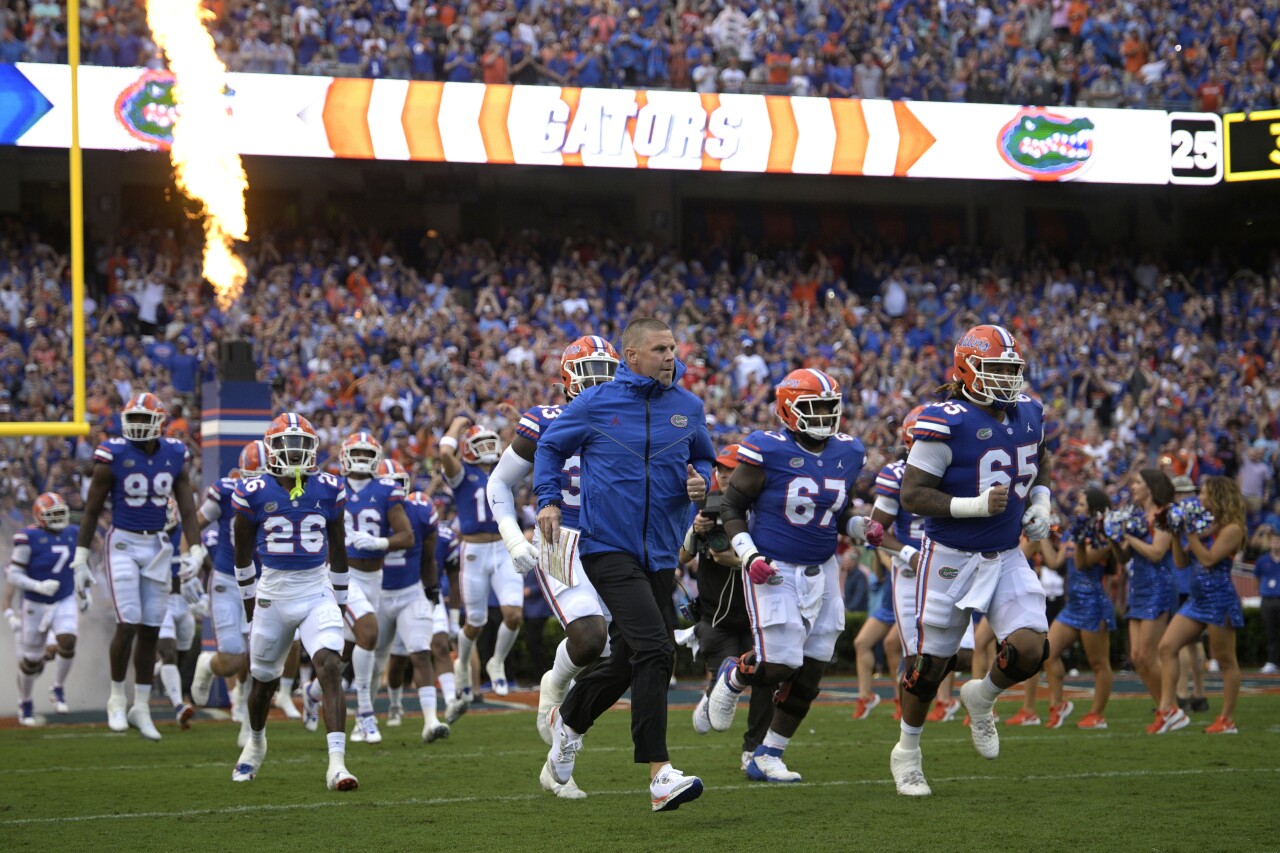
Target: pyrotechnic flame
(205, 167)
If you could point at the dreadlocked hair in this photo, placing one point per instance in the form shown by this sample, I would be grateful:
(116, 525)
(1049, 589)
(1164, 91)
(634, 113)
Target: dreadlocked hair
(953, 390)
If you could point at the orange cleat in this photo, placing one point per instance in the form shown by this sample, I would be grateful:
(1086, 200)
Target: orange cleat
(944, 711)
(1023, 718)
(1092, 721)
(1222, 726)
(864, 706)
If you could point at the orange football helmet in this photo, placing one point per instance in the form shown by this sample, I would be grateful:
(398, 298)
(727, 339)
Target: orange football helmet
(908, 424)
(292, 446)
(361, 453)
(142, 417)
(590, 360)
(981, 349)
(809, 403)
(253, 460)
(481, 446)
(51, 511)
(390, 469)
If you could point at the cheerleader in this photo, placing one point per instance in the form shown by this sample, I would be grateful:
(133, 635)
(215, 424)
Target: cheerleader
(1214, 604)
(1152, 597)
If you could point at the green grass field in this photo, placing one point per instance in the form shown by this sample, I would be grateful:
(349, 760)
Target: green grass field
(83, 788)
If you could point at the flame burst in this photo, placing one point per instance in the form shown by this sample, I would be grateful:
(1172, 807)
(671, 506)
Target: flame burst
(205, 167)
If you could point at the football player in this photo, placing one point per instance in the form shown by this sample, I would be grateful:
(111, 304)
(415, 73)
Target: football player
(37, 568)
(293, 520)
(902, 535)
(410, 596)
(589, 360)
(796, 484)
(137, 473)
(376, 525)
(468, 454)
(187, 603)
(978, 472)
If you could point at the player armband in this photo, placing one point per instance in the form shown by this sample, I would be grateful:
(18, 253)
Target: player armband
(449, 442)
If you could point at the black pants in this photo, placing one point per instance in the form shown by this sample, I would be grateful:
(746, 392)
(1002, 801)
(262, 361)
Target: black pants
(720, 642)
(641, 656)
(1271, 624)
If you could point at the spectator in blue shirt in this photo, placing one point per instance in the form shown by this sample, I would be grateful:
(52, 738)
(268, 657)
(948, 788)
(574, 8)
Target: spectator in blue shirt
(459, 62)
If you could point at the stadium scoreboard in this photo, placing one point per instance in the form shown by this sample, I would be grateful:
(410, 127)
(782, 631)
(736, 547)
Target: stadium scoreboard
(1252, 145)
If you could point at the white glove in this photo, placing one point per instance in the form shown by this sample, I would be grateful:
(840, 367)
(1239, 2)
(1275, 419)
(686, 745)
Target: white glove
(15, 621)
(85, 600)
(523, 555)
(200, 607)
(47, 587)
(80, 566)
(192, 562)
(192, 591)
(1035, 522)
(362, 541)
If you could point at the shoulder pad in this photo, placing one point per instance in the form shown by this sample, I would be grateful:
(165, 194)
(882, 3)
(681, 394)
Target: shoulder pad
(938, 420)
(889, 480)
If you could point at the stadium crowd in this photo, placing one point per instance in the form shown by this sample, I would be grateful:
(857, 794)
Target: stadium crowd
(1215, 56)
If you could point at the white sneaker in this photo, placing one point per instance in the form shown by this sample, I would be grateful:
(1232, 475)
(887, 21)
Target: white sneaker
(139, 717)
(249, 762)
(395, 716)
(908, 772)
(202, 681)
(117, 719)
(982, 724)
(723, 702)
(550, 694)
(564, 748)
(565, 790)
(688, 637)
(284, 702)
(26, 713)
(701, 718)
(497, 673)
(310, 709)
(433, 731)
(341, 780)
(58, 696)
(671, 789)
(366, 725)
(1268, 668)
(455, 708)
(766, 767)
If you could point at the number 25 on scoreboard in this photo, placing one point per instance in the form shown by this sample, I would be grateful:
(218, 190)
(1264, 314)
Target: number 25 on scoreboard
(1195, 148)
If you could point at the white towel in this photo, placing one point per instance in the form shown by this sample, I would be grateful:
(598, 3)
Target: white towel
(983, 585)
(809, 589)
(161, 566)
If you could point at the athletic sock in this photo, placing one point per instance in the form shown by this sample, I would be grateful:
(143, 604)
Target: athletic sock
(564, 670)
(26, 684)
(735, 682)
(427, 698)
(64, 669)
(286, 689)
(909, 735)
(506, 639)
(337, 750)
(172, 681)
(773, 740)
(362, 661)
(448, 686)
(465, 645)
(142, 695)
(117, 690)
(257, 737)
(988, 692)
(395, 694)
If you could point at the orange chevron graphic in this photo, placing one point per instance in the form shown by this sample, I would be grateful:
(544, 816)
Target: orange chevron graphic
(493, 124)
(782, 148)
(421, 121)
(913, 139)
(346, 118)
(711, 103)
(851, 137)
(571, 96)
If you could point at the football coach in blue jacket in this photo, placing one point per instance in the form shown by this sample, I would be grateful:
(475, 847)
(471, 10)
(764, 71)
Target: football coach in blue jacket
(645, 456)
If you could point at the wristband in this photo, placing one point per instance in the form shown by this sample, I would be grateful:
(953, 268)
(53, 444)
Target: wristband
(338, 580)
(246, 573)
(249, 590)
(1040, 496)
(690, 546)
(449, 442)
(907, 553)
(971, 507)
(743, 544)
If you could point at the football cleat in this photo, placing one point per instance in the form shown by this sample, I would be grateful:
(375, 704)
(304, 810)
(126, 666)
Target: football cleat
(564, 748)
(982, 724)
(496, 670)
(202, 681)
(310, 709)
(462, 675)
(342, 780)
(1222, 726)
(766, 765)
(1058, 714)
(565, 790)
(1092, 721)
(139, 717)
(249, 762)
(908, 772)
(26, 713)
(284, 702)
(183, 714)
(454, 709)
(1023, 718)
(671, 789)
(944, 711)
(367, 727)
(58, 696)
(117, 719)
(550, 694)
(864, 706)
(723, 702)
(701, 718)
(395, 716)
(434, 731)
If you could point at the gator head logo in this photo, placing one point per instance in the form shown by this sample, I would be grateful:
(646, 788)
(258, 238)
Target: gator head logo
(1046, 146)
(148, 110)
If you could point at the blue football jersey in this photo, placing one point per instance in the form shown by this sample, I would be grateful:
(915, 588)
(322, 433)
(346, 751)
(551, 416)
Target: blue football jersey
(795, 518)
(50, 554)
(472, 501)
(291, 531)
(402, 569)
(141, 484)
(984, 452)
(531, 425)
(907, 528)
(224, 555)
(367, 511)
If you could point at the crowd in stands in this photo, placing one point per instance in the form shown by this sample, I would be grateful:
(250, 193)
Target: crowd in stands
(1211, 55)
(1137, 363)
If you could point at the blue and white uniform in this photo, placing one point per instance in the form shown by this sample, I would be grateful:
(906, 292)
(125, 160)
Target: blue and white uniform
(1152, 591)
(226, 607)
(1088, 606)
(405, 615)
(485, 566)
(794, 521)
(969, 564)
(44, 555)
(578, 598)
(907, 528)
(292, 546)
(179, 624)
(1214, 600)
(137, 552)
(369, 504)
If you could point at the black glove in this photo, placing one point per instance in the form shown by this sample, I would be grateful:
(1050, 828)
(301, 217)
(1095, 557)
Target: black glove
(433, 593)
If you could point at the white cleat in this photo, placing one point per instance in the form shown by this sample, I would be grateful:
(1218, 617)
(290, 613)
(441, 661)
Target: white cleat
(26, 713)
(284, 702)
(342, 780)
(249, 762)
(433, 731)
(548, 697)
(908, 772)
(702, 720)
(117, 718)
(462, 675)
(671, 789)
(564, 749)
(723, 702)
(395, 716)
(367, 727)
(310, 710)
(202, 681)
(454, 709)
(567, 790)
(765, 767)
(982, 724)
(139, 717)
(58, 696)
(496, 670)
